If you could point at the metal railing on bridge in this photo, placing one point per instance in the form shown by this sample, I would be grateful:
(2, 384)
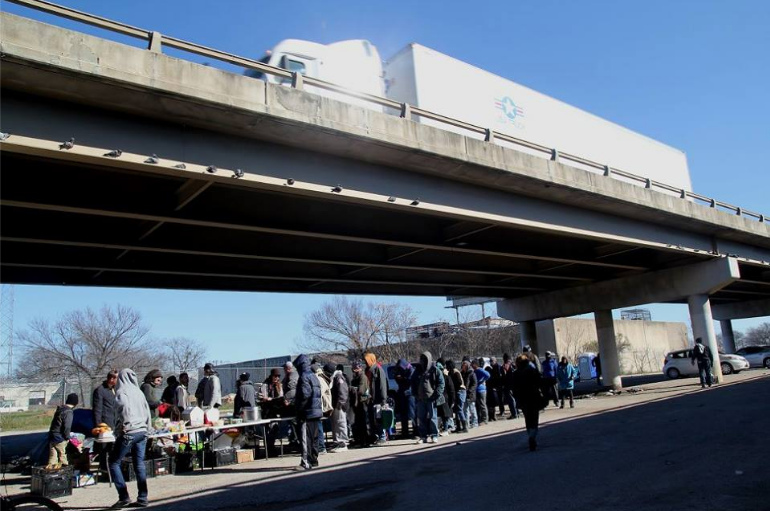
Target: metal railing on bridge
(156, 41)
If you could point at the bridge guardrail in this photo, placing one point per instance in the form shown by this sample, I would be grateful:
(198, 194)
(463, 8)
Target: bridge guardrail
(156, 41)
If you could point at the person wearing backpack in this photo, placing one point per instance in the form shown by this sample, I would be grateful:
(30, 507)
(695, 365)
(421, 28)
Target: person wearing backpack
(705, 360)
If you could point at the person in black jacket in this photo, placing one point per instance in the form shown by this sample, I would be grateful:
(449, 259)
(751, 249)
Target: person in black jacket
(378, 383)
(105, 408)
(444, 411)
(169, 392)
(59, 432)
(307, 402)
(152, 390)
(469, 378)
(705, 359)
(526, 389)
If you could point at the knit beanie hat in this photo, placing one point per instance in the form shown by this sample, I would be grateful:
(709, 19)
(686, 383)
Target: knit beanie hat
(72, 399)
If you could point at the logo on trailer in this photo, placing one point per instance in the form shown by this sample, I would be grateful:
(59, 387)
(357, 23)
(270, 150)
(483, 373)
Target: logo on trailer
(509, 109)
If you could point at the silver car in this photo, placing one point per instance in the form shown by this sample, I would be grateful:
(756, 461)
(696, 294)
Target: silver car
(678, 364)
(758, 356)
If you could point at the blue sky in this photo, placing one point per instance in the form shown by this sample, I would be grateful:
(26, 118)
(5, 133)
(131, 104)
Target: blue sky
(693, 74)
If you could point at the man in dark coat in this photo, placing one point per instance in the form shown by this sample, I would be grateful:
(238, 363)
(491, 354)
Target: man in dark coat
(404, 398)
(702, 354)
(307, 402)
(103, 402)
(105, 409)
(378, 383)
(528, 394)
(494, 389)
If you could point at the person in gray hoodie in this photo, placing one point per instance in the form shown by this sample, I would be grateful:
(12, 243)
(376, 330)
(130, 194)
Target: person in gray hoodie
(133, 427)
(428, 389)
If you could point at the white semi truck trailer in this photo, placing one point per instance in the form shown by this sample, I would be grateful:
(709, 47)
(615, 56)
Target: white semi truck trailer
(441, 84)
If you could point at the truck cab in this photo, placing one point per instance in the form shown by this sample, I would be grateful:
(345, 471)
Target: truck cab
(354, 64)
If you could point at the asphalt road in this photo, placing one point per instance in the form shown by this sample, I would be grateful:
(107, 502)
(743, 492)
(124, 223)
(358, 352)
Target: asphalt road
(672, 447)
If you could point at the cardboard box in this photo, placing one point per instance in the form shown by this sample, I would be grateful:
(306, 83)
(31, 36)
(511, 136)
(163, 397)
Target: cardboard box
(245, 455)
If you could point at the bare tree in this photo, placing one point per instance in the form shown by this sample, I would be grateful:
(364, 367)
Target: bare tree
(183, 354)
(757, 336)
(356, 327)
(576, 338)
(82, 346)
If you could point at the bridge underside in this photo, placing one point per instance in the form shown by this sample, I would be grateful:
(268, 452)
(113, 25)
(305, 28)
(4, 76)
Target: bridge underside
(73, 223)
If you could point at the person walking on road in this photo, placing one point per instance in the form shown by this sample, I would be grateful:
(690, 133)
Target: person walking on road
(428, 388)
(528, 393)
(566, 374)
(481, 390)
(550, 389)
(307, 403)
(702, 354)
(134, 426)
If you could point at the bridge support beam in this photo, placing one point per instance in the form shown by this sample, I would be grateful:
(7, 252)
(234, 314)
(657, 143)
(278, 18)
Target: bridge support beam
(651, 287)
(608, 350)
(728, 336)
(703, 327)
(752, 309)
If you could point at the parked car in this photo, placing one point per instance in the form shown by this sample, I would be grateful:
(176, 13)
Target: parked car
(678, 364)
(758, 356)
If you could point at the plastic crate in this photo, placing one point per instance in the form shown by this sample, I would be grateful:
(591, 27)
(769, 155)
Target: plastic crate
(221, 457)
(127, 467)
(186, 461)
(162, 466)
(52, 483)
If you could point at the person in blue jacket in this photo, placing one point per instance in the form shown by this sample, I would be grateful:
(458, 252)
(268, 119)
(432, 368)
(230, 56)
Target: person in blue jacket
(307, 402)
(481, 390)
(566, 374)
(549, 378)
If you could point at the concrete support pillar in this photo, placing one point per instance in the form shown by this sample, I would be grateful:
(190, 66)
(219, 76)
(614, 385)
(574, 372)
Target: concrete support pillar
(608, 350)
(529, 335)
(703, 327)
(546, 337)
(728, 337)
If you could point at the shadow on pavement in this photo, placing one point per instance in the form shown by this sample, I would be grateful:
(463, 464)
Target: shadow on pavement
(643, 456)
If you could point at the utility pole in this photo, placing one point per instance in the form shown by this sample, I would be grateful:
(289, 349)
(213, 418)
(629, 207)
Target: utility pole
(6, 342)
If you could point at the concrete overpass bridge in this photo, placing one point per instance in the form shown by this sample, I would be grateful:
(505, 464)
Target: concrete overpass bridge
(125, 167)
